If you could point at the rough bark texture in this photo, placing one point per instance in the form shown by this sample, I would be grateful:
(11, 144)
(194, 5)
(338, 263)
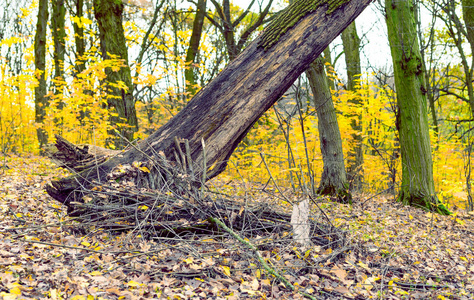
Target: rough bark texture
(41, 101)
(468, 16)
(112, 41)
(222, 113)
(328, 60)
(58, 31)
(79, 38)
(355, 159)
(412, 120)
(194, 47)
(333, 179)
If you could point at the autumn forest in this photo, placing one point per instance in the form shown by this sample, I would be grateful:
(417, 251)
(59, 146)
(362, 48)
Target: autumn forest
(260, 149)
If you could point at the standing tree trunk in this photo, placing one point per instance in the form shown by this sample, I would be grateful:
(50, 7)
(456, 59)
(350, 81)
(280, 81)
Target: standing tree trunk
(41, 101)
(189, 73)
(355, 159)
(222, 113)
(58, 31)
(468, 15)
(79, 63)
(412, 119)
(333, 179)
(108, 14)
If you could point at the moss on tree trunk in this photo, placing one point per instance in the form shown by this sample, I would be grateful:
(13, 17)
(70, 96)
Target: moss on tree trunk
(41, 101)
(112, 41)
(412, 119)
(355, 159)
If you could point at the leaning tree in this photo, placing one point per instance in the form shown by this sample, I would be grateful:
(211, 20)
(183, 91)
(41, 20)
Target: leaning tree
(203, 135)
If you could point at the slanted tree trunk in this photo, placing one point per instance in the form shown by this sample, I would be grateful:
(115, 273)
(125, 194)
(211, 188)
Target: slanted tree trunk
(41, 101)
(108, 14)
(333, 179)
(223, 112)
(355, 159)
(412, 119)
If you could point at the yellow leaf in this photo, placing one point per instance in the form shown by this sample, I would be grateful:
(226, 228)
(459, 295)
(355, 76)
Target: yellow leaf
(461, 222)
(95, 273)
(143, 207)
(226, 270)
(84, 243)
(410, 216)
(134, 283)
(463, 258)
(15, 291)
(189, 260)
(144, 169)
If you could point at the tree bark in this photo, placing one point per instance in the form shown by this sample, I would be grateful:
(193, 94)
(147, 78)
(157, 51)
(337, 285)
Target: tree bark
(333, 179)
(355, 159)
(223, 112)
(468, 16)
(193, 48)
(41, 101)
(59, 35)
(108, 14)
(412, 119)
(79, 63)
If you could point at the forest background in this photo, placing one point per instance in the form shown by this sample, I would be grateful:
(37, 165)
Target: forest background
(77, 91)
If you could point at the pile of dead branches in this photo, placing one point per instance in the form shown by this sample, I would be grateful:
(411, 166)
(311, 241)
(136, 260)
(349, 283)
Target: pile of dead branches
(158, 198)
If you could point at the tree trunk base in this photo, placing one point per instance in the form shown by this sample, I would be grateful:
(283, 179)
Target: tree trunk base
(430, 203)
(340, 194)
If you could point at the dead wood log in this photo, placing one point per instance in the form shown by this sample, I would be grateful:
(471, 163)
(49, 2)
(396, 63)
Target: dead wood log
(78, 157)
(223, 112)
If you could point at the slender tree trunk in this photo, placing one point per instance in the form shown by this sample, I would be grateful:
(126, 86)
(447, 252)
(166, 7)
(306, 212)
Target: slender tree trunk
(355, 159)
(412, 119)
(58, 31)
(333, 179)
(108, 14)
(468, 16)
(189, 73)
(80, 64)
(228, 27)
(222, 113)
(41, 101)
(328, 60)
(80, 61)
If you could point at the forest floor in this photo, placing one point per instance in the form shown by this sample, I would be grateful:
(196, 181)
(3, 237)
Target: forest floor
(392, 252)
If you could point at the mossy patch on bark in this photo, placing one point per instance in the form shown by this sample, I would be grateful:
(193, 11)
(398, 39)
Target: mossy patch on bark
(291, 15)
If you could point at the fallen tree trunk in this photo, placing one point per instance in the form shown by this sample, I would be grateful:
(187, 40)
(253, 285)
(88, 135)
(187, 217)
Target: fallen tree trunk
(222, 113)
